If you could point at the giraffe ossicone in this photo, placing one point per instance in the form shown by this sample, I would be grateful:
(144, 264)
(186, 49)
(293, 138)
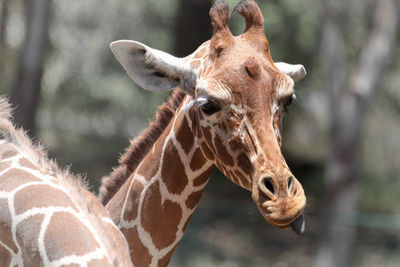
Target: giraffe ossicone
(226, 111)
(47, 216)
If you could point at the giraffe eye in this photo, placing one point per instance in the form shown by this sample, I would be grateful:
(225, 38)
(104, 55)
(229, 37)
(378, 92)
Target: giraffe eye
(288, 101)
(210, 107)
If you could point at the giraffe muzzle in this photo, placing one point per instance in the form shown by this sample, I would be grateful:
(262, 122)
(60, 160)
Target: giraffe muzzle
(281, 203)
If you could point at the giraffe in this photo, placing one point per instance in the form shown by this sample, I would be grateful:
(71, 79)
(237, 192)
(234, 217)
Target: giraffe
(47, 216)
(226, 111)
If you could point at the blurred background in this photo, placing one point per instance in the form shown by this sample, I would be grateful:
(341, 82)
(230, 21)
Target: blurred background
(341, 137)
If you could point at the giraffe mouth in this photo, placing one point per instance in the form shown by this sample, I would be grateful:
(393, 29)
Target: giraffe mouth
(298, 225)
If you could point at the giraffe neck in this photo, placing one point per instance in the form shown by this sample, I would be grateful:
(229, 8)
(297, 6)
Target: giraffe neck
(154, 205)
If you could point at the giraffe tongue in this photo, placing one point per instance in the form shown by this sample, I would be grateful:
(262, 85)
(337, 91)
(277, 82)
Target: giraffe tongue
(298, 225)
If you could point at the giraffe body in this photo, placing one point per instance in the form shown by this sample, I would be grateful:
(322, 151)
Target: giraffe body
(226, 113)
(47, 216)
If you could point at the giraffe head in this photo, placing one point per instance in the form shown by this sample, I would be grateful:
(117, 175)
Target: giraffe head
(238, 97)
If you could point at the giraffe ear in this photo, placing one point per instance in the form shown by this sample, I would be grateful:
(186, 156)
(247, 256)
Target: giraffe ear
(296, 72)
(153, 69)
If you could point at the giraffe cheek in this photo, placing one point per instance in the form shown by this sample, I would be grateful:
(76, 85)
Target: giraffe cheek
(244, 163)
(222, 151)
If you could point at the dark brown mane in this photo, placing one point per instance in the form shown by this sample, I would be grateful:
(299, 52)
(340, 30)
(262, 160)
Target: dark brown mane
(139, 147)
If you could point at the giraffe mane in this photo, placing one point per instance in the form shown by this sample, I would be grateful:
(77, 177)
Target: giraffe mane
(139, 148)
(9, 132)
(75, 185)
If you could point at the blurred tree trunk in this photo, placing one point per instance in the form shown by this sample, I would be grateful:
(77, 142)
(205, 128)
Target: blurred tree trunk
(3, 21)
(193, 25)
(26, 89)
(349, 102)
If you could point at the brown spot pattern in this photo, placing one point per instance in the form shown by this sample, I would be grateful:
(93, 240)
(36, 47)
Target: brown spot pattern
(133, 201)
(196, 129)
(14, 178)
(207, 151)
(27, 235)
(149, 171)
(5, 225)
(185, 136)
(4, 165)
(207, 136)
(221, 167)
(9, 154)
(99, 262)
(41, 196)
(163, 262)
(5, 256)
(235, 143)
(163, 232)
(197, 160)
(233, 177)
(202, 178)
(7, 150)
(173, 171)
(242, 178)
(27, 164)
(223, 126)
(137, 248)
(244, 163)
(61, 241)
(193, 199)
(223, 153)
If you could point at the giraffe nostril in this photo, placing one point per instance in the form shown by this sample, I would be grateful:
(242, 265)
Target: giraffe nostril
(290, 183)
(268, 185)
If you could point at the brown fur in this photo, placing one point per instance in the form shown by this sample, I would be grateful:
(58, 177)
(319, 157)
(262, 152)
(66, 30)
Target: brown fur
(139, 147)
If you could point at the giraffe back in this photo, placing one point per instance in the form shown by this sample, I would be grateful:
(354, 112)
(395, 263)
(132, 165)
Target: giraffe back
(47, 215)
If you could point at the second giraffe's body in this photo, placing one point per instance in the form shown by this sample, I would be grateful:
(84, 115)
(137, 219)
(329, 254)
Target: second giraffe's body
(47, 217)
(227, 113)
